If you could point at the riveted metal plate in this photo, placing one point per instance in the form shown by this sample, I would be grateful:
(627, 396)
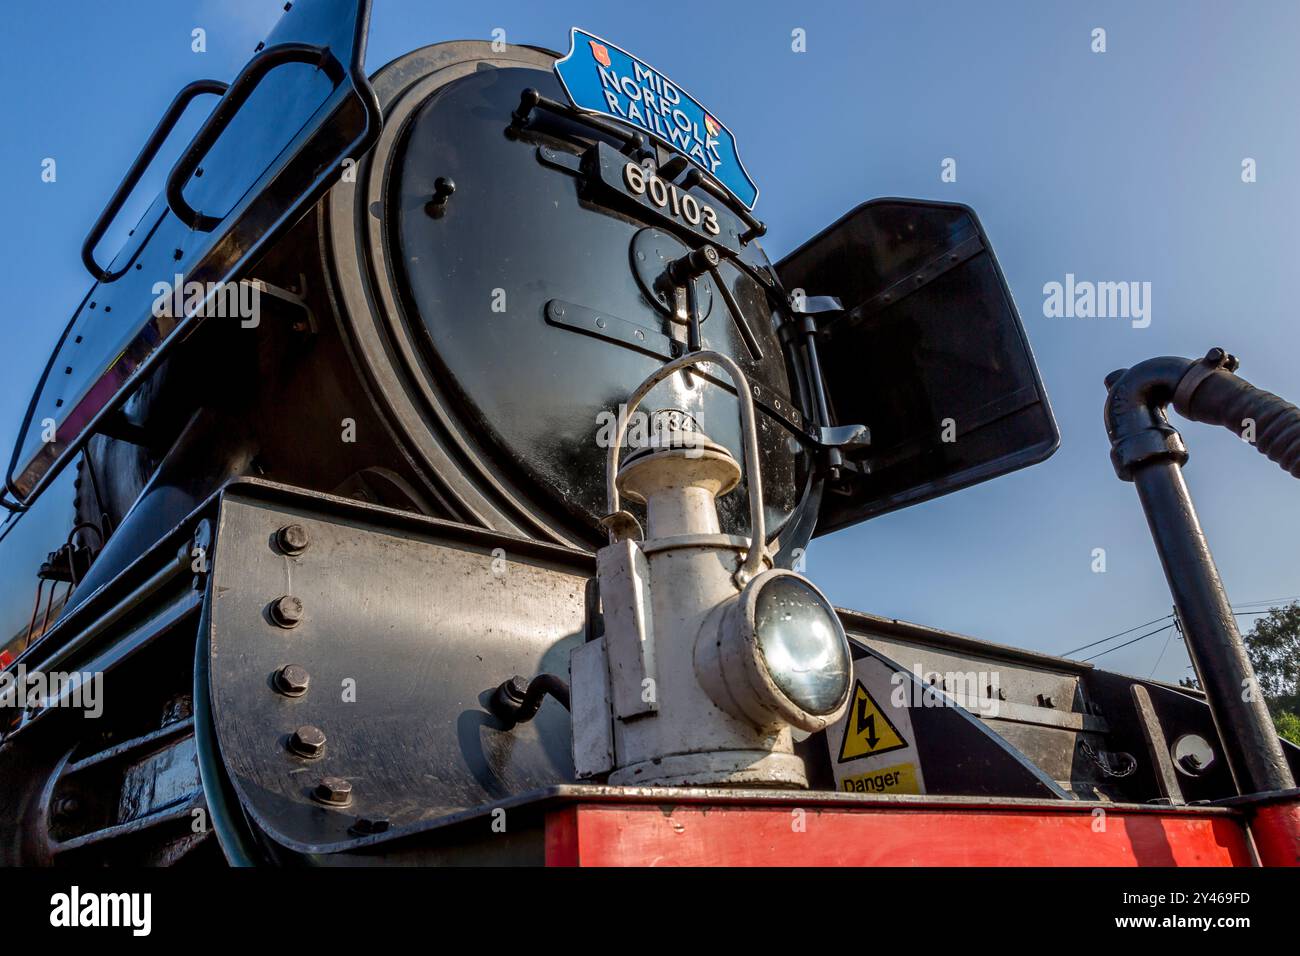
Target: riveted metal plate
(408, 626)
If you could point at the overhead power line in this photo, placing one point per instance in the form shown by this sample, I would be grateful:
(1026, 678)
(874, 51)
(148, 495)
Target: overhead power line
(1236, 613)
(1113, 636)
(1140, 637)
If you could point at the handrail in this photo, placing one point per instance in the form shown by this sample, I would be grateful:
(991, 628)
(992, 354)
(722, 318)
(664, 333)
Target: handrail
(236, 96)
(132, 178)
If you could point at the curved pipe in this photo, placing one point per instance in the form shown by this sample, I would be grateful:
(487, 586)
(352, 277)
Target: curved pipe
(1201, 390)
(1135, 413)
(517, 701)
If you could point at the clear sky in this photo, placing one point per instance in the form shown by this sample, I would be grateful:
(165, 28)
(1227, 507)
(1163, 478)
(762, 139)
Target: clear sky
(1117, 166)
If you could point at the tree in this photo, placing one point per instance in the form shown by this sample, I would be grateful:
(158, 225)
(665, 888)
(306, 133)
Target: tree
(1288, 726)
(1274, 648)
(1273, 645)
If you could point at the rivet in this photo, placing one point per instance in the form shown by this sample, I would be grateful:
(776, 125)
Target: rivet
(308, 741)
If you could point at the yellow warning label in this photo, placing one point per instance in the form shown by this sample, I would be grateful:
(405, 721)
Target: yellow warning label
(867, 731)
(901, 778)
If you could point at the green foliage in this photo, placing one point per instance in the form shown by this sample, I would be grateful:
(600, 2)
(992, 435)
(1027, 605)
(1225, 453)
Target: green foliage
(1288, 726)
(1274, 648)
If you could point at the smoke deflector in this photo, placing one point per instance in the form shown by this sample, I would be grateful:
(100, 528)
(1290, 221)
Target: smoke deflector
(926, 348)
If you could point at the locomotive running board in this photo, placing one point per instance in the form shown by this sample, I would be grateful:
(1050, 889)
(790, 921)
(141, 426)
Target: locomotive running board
(407, 623)
(406, 626)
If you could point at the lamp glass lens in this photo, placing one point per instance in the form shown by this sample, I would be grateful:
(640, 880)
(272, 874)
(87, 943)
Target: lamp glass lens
(803, 644)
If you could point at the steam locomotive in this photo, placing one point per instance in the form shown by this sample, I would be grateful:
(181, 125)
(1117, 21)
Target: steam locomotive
(427, 479)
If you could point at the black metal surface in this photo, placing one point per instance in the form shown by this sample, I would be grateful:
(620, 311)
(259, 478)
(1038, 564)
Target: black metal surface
(1148, 451)
(930, 343)
(1158, 746)
(1179, 712)
(501, 406)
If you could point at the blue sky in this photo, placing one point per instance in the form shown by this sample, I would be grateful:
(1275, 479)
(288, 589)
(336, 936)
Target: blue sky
(1115, 166)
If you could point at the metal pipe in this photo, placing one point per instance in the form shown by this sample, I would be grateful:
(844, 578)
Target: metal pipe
(518, 700)
(1148, 451)
(1213, 640)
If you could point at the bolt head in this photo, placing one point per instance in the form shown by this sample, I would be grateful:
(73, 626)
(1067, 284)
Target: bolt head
(333, 792)
(292, 680)
(286, 610)
(307, 741)
(291, 539)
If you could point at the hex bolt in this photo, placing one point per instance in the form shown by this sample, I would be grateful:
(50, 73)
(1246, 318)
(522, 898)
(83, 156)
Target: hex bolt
(308, 741)
(333, 792)
(367, 827)
(292, 680)
(286, 610)
(65, 807)
(291, 539)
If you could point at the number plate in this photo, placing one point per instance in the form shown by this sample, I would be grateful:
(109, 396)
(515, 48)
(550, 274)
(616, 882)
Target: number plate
(694, 210)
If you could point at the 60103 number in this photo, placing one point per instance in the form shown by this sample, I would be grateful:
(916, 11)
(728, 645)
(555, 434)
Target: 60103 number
(671, 199)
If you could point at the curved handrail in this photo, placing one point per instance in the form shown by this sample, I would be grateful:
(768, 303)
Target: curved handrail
(749, 441)
(240, 90)
(132, 177)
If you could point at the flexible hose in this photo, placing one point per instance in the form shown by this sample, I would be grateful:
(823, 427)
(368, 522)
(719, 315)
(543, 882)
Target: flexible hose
(1223, 398)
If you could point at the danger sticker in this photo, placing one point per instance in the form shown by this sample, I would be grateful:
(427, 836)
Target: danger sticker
(868, 730)
(901, 778)
(873, 748)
